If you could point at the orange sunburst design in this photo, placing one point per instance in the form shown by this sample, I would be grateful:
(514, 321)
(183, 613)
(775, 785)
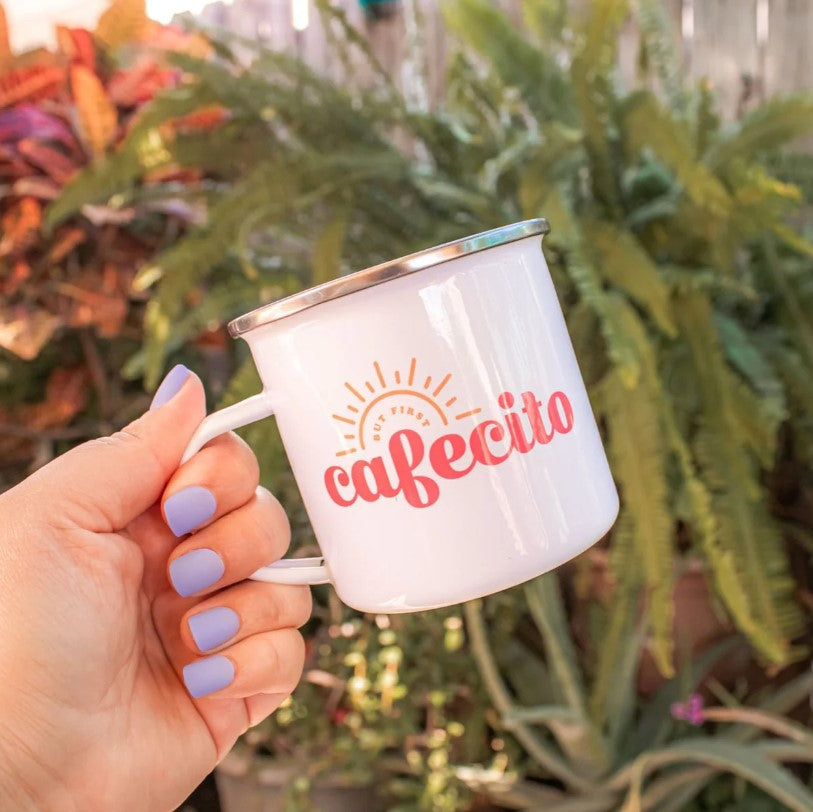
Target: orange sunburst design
(409, 402)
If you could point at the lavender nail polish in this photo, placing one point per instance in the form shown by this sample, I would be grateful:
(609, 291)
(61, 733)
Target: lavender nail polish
(170, 386)
(189, 508)
(195, 571)
(208, 675)
(213, 627)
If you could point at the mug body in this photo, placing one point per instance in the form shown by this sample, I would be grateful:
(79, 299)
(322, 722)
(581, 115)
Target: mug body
(439, 430)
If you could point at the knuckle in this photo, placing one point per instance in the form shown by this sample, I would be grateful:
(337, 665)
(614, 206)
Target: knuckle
(242, 457)
(304, 605)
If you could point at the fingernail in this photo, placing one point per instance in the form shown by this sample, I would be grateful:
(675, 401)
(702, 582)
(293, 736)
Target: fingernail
(195, 571)
(189, 508)
(208, 675)
(213, 627)
(170, 386)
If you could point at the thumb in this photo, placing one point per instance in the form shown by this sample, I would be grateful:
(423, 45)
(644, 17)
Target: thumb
(104, 484)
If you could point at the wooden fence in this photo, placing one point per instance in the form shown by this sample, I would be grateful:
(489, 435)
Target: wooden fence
(748, 49)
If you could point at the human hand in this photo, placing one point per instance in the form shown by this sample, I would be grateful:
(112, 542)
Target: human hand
(116, 691)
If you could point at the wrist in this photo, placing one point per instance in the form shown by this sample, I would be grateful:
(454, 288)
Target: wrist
(25, 785)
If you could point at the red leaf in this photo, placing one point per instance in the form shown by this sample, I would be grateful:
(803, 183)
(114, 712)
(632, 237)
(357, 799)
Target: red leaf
(65, 396)
(207, 118)
(20, 272)
(139, 83)
(30, 84)
(68, 239)
(77, 44)
(95, 302)
(20, 225)
(49, 160)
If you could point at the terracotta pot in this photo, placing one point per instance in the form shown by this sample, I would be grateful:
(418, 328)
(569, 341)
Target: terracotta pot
(697, 622)
(250, 783)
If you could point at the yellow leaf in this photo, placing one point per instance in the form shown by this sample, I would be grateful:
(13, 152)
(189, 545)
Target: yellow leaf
(96, 113)
(124, 21)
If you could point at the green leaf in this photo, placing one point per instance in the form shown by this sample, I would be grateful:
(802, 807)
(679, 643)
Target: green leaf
(747, 556)
(543, 753)
(648, 125)
(582, 742)
(594, 94)
(516, 61)
(639, 458)
(655, 722)
(659, 42)
(624, 263)
(613, 690)
(740, 760)
(771, 125)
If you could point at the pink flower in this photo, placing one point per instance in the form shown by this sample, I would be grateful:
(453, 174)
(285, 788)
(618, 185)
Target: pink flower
(690, 711)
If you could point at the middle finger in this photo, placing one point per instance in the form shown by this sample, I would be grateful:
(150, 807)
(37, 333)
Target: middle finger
(232, 548)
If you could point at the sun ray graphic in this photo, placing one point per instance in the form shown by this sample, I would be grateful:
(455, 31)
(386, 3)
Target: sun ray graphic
(377, 402)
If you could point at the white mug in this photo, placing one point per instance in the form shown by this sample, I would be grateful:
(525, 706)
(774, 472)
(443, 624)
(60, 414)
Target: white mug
(436, 422)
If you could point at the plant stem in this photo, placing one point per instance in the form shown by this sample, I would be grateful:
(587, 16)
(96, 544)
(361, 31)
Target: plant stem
(761, 719)
(537, 748)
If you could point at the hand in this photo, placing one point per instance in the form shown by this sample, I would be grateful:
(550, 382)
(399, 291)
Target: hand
(117, 690)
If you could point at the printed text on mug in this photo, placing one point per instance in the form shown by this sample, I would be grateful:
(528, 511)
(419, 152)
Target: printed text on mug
(416, 470)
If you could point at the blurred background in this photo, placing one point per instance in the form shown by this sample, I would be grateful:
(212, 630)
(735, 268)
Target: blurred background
(166, 166)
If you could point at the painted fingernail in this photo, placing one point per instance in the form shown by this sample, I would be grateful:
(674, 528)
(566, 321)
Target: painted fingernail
(208, 675)
(213, 627)
(189, 508)
(195, 571)
(170, 386)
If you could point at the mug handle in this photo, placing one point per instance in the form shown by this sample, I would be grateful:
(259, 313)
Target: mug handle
(305, 571)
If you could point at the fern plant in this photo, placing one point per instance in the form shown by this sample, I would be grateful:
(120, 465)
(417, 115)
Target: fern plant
(675, 248)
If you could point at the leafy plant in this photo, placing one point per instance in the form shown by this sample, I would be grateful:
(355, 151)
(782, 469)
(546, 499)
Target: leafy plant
(68, 317)
(387, 701)
(580, 722)
(686, 285)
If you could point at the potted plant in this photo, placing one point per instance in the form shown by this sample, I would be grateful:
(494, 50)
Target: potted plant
(69, 319)
(672, 247)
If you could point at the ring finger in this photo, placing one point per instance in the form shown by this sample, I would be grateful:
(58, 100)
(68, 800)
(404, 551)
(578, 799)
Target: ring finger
(241, 611)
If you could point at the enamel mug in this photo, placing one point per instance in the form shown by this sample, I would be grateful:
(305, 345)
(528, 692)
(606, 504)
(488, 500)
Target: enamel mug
(436, 422)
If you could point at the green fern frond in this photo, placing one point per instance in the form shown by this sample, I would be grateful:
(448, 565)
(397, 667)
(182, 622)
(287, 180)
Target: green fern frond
(622, 351)
(770, 126)
(646, 124)
(621, 627)
(640, 459)
(706, 119)
(180, 269)
(115, 174)
(658, 40)
(747, 534)
(518, 63)
(546, 18)
(623, 262)
(594, 95)
(768, 409)
(756, 420)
